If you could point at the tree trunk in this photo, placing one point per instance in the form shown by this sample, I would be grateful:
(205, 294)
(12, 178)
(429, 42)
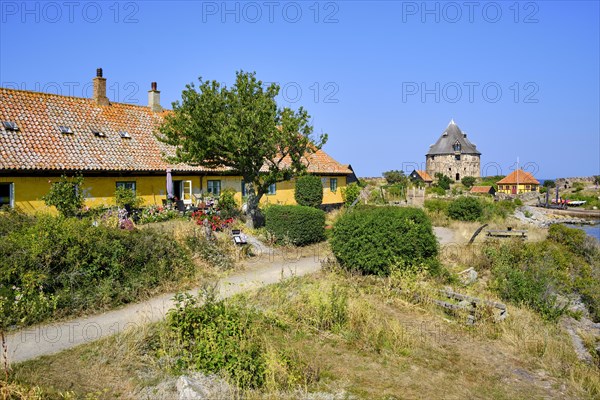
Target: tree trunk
(255, 217)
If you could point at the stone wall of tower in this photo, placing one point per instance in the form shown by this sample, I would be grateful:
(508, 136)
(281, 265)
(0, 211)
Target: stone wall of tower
(447, 164)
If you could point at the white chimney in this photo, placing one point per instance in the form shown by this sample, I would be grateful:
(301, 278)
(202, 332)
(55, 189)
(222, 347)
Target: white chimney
(154, 98)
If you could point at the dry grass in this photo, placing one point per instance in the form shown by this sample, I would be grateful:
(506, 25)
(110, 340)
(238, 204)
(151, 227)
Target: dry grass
(388, 347)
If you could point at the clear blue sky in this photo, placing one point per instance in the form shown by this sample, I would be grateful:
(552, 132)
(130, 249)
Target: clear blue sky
(382, 78)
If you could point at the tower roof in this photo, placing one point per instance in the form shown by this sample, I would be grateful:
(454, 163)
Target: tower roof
(451, 136)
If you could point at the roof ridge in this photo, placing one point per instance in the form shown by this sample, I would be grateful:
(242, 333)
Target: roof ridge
(75, 97)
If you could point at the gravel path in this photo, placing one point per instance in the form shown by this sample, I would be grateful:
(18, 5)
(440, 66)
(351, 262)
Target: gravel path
(36, 341)
(444, 235)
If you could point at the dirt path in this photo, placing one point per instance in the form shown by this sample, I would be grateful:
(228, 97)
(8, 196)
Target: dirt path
(37, 341)
(444, 235)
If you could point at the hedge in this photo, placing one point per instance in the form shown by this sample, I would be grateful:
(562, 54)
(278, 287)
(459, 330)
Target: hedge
(376, 240)
(309, 191)
(300, 225)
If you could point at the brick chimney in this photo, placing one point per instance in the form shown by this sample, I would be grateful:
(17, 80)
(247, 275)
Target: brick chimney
(100, 89)
(154, 98)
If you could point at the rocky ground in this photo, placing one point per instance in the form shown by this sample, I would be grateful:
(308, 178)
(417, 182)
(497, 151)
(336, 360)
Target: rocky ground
(539, 217)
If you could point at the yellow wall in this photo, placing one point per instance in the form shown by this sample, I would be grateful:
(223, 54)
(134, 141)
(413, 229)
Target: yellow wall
(99, 191)
(507, 189)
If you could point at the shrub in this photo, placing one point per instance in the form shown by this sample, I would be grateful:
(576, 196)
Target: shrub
(309, 191)
(578, 186)
(227, 204)
(299, 224)
(73, 265)
(66, 195)
(435, 190)
(436, 205)
(377, 240)
(518, 202)
(443, 181)
(465, 209)
(125, 197)
(548, 183)
(350, 193)
(395, 177)
(217, 338)
(468, 181)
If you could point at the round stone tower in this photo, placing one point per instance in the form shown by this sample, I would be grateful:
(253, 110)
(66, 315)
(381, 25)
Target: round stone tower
(453, 155)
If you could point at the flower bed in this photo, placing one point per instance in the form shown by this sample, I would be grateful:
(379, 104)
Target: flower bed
(217, 223)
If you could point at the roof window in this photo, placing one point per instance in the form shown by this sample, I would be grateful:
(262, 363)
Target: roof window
(66, 130)
(124, 135)
(10, 126)
(98, 133)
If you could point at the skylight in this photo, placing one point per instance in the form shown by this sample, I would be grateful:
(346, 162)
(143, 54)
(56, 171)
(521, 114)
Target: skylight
(65, 130)
(124, 134)
(10, 126)
(98, 133)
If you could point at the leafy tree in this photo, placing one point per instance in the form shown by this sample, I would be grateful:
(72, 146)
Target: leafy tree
(241, 128)
(309, 191)
(596, 180)
(468, 181)
(350, 193)
(394, 176)
(443, 181)
(549, 183)
(66, 195)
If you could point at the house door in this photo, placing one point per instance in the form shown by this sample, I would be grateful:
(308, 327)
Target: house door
(514, 190)
(183, 191)
(457, 177)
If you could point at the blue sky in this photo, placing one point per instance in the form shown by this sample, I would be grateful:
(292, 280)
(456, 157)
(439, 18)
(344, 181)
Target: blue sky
(383, 79)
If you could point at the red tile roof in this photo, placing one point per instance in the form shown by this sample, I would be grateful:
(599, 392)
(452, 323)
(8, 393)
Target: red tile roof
(39, 145)
(480, 189)
(424, 175)
(519, 176)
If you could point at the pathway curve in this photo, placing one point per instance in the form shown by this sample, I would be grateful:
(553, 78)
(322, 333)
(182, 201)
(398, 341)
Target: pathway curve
(36, 341)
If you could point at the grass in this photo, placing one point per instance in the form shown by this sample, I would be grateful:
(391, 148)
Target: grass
(382, 344)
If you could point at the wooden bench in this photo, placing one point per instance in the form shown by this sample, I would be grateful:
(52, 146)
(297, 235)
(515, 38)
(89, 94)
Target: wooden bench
(507, 233)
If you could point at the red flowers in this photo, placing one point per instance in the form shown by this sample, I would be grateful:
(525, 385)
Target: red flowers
(215, 221)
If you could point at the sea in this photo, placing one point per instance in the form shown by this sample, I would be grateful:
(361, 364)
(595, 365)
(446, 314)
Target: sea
(591, 230)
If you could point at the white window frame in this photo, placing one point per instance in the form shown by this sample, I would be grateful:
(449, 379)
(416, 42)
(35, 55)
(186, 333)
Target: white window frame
(11, 193)
(272, 190)
(186, 192)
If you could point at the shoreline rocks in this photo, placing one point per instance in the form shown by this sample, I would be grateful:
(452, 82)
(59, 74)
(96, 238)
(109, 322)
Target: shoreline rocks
(538, 217)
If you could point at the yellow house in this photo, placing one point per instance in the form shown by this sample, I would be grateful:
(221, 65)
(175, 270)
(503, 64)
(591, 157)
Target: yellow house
(43, 136)
(518, 182)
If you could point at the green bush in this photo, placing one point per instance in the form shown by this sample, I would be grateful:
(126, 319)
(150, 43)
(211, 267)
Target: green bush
(126, 197)
(436, 205)
(395, 177)
(535, 274)
(465, 209)
(59, 266)
(227, 204)
(468, 181)
(309, 191)
(518, 202)
(443, 181)
(300, 225)
(66, 195)
(377, 240)
(435, 190)
(217, 338)
(350, 193)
